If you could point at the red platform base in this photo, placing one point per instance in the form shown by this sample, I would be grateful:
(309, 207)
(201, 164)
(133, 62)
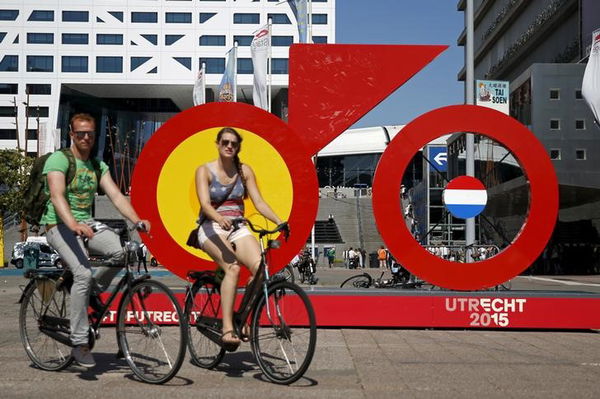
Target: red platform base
(398, 308)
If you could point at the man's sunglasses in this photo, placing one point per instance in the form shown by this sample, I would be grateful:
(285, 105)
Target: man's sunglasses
(225, 143)
(81, 134)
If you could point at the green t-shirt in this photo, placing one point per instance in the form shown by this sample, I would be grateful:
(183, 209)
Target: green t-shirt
(80, 193)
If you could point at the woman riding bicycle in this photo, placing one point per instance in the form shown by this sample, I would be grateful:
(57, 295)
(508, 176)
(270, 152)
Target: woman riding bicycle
(221, 186)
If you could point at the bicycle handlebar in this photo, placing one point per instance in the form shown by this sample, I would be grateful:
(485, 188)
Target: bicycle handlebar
(283, 227)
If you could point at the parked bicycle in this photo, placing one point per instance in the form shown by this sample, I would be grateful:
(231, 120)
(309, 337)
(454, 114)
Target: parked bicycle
(307, 270)
(153, 351)
(401, 278)
(282, 322)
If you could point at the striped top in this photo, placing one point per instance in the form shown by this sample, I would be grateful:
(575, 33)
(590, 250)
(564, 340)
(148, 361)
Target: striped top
(233, 205)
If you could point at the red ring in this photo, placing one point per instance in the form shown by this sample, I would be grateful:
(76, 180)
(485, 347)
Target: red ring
(189, 122)
(535, 232)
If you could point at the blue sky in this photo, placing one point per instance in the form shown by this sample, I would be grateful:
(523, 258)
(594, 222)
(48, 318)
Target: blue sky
(408, 22)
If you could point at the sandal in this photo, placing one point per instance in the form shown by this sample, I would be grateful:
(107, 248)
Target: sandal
(245, 335)
(230, 346)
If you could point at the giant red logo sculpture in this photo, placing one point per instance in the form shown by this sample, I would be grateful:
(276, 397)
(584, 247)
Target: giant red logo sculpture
(331, 87)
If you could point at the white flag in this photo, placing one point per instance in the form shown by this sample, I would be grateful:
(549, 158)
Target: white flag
(259, 48)
(199, 92)
(590, 88)
(228, 87)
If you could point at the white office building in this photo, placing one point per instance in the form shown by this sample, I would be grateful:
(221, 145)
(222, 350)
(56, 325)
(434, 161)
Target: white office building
(131, 63)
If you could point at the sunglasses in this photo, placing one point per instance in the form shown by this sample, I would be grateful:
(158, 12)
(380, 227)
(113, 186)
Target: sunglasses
(81, 134)
(226, 143)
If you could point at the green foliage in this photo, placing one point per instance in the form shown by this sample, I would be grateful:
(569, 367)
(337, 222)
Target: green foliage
(14, 176)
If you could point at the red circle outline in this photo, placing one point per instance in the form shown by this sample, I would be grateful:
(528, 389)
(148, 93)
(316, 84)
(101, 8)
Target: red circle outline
(530, 153)
(189, 122)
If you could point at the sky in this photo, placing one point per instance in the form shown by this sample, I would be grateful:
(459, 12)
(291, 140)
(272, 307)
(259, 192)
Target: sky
(408, 22)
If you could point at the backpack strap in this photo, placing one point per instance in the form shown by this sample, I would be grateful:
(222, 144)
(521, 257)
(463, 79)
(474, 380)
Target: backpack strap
(73, 169)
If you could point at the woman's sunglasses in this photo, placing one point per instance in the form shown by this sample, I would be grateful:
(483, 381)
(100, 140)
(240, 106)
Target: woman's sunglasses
(226, 143)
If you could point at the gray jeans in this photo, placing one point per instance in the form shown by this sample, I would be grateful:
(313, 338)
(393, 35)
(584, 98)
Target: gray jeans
(73, 253)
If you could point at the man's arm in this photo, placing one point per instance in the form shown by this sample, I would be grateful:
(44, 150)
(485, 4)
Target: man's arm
(57, 187)
(120, 201)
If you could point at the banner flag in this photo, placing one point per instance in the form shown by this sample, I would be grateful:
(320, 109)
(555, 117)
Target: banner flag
(226, 92)
(199, 91)
(590, 87)
(259, 49)
(300, 10)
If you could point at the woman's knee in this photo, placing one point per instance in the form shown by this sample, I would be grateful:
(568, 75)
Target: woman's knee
(231, 269)
(116, 258)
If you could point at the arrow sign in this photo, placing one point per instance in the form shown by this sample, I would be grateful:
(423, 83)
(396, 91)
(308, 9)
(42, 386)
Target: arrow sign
(439, 157)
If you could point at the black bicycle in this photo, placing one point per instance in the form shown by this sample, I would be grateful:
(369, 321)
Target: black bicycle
(283, 332)
(307, 269)
(153, 348)
(401, 278)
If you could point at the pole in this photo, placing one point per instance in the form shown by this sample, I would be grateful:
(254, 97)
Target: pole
(235, 46)
(17, 122)
(309, 38)
(203, 88)
(269, 77)
(27, 124)
(469, 99)
(37, 129)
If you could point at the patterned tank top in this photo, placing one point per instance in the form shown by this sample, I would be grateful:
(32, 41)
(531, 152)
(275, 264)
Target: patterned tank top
(233, 205)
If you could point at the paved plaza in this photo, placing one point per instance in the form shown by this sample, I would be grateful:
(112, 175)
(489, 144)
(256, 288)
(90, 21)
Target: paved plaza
(348, 363)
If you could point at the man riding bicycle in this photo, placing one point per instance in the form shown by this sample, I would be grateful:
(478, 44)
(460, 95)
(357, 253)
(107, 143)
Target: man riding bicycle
(68, 220)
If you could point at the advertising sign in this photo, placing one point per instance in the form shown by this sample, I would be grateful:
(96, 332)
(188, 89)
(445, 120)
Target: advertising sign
(493, 94)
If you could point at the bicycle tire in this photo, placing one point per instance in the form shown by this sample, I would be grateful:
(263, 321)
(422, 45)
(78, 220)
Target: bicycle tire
(202, 312)
(154, 352)
(284, 346)
(43, 299)
(363, 280)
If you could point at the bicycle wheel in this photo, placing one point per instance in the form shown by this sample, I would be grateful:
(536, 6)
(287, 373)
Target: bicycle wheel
(42, 301)
(359, 281)
(153, 341)
(204, 325)
(284, 333)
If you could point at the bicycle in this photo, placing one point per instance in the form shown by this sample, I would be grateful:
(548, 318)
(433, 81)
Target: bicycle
(287, 274)
(401, 278)
(154, 352)
(307, 269)
(283, 327)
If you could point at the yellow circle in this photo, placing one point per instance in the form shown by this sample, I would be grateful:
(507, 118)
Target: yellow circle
(178, 203)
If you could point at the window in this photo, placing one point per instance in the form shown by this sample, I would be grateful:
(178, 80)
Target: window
(75, 16)
(279, 66)
(319, 39)
(74, 64)
(246, 18)
(170, 39)
(136, 62)
(7, 111)
(178, 17)
(185, 61)
(2, 36)
(554, 124)
(41, 89)
(578, 95)
(9, 88)
(205, 16)
(33, 111)
(10, 63)
(580, 124)
(144, 17)
(284, 41)
(102, 38)
(117, 14)
(40, 63)
(319, 19)
(109, 64)
(244, 66)
(580, 155)
(555, 154)
(278, 19)
(8, 134)
(74, 38)
(554, 94)
(8, 15)
(212, 40)
(41, 15)
(214, 65)
(243, 40)
(32, 135)
(16, 39)
(40, 38)
(151, 38)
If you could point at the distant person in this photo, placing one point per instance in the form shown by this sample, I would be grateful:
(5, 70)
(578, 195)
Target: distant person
(382, 257)
(142, 252)
(331, 256)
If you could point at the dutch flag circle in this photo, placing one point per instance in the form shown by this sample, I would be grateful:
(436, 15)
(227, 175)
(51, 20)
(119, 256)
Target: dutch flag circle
(465, 197)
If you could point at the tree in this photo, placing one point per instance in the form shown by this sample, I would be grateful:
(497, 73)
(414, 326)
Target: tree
(14, 176)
